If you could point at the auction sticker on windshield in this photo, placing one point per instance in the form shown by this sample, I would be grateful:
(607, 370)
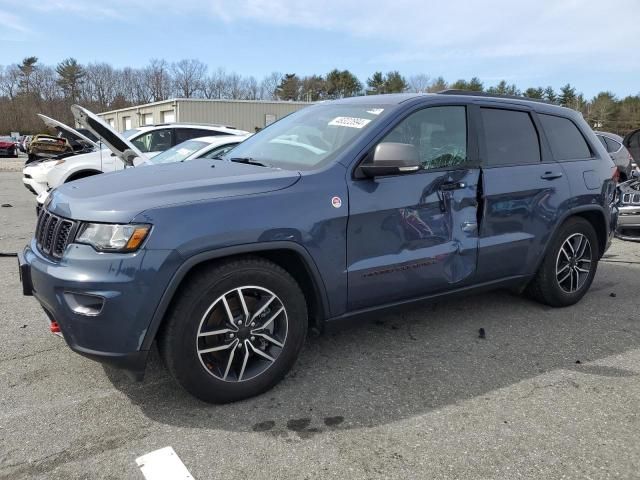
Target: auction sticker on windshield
(351, 122)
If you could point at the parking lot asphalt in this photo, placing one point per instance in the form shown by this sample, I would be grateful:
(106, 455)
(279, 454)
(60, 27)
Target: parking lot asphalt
(549, 393)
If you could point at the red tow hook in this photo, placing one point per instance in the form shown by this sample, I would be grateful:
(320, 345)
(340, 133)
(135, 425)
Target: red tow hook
(55, 328)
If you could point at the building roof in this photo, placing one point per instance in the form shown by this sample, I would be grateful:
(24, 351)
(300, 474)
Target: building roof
(207, 100)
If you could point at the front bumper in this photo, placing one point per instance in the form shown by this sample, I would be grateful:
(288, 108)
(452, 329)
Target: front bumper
(129, 287)
(33, 186)
(629, 223)
(34, 178)
(8, 152)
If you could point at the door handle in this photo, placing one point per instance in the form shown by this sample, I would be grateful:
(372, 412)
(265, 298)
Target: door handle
(550, 175)
(448, 186)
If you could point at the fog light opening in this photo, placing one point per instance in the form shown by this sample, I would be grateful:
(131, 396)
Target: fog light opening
(84, 304)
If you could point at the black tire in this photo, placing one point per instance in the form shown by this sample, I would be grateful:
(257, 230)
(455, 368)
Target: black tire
(546, 287)
(179, 340)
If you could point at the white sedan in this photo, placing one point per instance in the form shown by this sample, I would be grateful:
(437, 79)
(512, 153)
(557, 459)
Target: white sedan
(205, 147)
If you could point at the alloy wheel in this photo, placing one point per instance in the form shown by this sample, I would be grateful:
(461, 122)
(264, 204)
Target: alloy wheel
(573, 263)
(242, 333)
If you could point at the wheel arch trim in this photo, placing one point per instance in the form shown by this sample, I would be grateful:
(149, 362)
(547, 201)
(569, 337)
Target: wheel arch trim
(82, 173)
(576, 211)
(252, 248)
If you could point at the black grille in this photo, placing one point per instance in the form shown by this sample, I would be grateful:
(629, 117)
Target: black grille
(53, 233)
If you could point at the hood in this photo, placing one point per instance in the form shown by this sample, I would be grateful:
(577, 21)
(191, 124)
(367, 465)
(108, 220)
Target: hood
(61, 127)
(7, 143)
(119, 145)
(118, 197)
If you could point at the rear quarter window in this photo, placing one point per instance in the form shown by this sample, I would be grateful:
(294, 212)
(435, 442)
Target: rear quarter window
(612, 145)
(565, 139)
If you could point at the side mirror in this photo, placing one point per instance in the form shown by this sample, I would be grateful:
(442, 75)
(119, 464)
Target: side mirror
(390, 158)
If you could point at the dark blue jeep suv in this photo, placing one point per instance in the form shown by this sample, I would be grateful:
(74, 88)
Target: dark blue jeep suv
(337, 210)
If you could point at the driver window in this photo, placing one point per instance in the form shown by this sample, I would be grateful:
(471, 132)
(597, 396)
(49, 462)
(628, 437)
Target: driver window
(438, 133)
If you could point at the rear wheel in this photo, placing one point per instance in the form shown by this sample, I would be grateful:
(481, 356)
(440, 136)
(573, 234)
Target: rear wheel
(569, 267)
(235, 330)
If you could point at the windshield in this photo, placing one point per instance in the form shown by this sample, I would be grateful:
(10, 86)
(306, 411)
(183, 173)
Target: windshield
(179, 152)
(309, 138)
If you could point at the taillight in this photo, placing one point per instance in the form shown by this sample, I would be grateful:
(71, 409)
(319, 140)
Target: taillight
(615, 176)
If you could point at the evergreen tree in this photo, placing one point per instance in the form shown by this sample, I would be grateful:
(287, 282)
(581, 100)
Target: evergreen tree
(395, 83)
(27, 67)
(376, 83)
(289, 88)
(341, 84)
(550, 95)
(567, 96)
(438, 85)
(70, 74)
(534, 93)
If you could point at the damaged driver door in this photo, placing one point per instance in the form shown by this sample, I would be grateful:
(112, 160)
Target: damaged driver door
(415, 234)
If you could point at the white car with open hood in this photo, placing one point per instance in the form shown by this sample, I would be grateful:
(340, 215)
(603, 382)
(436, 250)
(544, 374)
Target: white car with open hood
(34, 175)
(141, 143)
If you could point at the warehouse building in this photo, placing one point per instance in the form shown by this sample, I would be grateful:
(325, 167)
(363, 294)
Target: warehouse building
(243, 114)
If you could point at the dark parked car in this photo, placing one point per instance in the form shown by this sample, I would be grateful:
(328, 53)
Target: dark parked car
(337, 210)
(619, 154)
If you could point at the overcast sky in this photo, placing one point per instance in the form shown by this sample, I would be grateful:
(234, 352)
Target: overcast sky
(594, 45)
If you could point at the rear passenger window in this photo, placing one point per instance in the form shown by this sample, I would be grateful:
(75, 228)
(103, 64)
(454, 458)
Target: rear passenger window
(184, 134)
(567, 143)
(612, 145)
(510, 137)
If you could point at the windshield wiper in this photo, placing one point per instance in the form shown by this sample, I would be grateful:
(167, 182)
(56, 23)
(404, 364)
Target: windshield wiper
(247, 160)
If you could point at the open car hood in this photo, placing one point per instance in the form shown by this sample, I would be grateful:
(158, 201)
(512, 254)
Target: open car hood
(119, 145)
(61, 127)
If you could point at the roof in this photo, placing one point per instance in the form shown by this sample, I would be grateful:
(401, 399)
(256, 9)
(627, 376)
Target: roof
(615, 137)
(398, 98)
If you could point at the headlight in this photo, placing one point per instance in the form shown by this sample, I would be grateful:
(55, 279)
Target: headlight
(113, 238)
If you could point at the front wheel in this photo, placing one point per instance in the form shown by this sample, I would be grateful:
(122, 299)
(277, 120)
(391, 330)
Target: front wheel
(568, 269)
(235, 330)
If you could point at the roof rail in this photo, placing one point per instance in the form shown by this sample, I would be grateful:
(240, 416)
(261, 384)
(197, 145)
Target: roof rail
(452, 91)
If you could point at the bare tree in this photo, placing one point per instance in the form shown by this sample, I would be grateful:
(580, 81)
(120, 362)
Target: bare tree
(251, 88)
(10, 81)
(215, 84)
(158, 79)
(419, 83)
(234, 86)
(134, 86)
(45, 83)
(269, 85)
(101, 84)
(188, 77)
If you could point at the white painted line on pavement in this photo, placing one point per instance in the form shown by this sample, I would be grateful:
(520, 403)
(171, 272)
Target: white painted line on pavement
(163, 464)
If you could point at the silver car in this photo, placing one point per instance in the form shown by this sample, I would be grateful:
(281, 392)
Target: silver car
(619, 154)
